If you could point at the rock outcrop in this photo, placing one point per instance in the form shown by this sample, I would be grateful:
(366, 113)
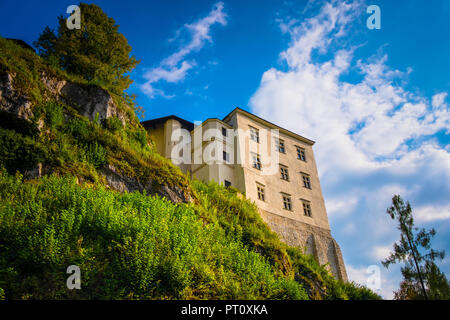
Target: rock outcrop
(89, 101)
(123, 183)
(11, 101)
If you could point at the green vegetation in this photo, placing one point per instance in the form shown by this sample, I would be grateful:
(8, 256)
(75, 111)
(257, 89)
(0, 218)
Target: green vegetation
(127, 246)
(97, 51)
(19, 152)
(137, 246)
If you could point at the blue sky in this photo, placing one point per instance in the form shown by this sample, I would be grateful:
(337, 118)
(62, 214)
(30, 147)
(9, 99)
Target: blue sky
(374, 100)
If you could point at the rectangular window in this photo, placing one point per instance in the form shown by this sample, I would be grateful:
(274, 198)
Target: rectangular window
(301, 154)
(254, 134)
(261, 194)
(224, 132)
(307, 208)
(284, 173)
(256, 161)
(306, 180)
(287, 203)
(227, 183)
(279, 145)
(226, 156)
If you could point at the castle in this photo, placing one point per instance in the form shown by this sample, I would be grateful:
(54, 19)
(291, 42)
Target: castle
(272, 166)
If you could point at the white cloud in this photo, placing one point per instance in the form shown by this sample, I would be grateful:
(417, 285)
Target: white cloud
(363, 121)
(174, 68)
(374, 137)
(341, 207)
(438, 99)
(382, 252)
(432, 213)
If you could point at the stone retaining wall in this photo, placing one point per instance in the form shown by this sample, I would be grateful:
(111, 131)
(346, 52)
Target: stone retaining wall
(317, 241)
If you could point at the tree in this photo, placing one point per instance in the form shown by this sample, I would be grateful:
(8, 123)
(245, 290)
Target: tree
(422, 278)
(97, 51)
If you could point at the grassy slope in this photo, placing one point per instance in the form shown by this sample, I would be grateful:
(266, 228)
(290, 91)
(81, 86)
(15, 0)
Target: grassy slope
(128, 245)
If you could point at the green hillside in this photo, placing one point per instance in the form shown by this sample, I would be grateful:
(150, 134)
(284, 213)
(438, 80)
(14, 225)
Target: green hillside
(211, 244)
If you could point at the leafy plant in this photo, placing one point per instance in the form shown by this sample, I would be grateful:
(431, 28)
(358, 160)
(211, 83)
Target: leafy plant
(19, 152)
(96, 154)
(113, 124)
(52, 112)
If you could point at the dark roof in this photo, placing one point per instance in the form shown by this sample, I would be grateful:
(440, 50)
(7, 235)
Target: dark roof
(21, 43)
(155, 122)
(286, 131)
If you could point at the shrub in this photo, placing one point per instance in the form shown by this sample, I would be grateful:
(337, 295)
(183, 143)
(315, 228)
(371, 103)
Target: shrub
(79, 128)
(127, 245)
(96, 154)
(113, 124)
(19, 152)
(52, 113)
(140, 137)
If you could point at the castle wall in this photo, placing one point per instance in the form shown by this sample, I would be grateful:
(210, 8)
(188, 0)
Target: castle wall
(317, 241)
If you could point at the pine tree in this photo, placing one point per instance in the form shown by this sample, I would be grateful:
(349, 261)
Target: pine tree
(422, 279)
(97, 51)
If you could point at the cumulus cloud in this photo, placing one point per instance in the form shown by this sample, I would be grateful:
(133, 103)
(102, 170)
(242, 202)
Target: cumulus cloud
(382, 252)
(175, 67)
(432, 213)
(342, 207)
(374, 137)
(438, 99)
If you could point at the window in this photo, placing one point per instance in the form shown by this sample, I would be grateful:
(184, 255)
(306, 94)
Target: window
(307, 208)
(301, 154)
(306, 181)
(287, 204)
(227, 183)
(284, 173)
(224, 131)
(254, 134)
(256, 161)
(261, 194)
(226, 156)
(279, 146)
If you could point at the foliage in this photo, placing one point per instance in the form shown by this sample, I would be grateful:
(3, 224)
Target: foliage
(97, 51)
(52, 113)
(113, 124)
(438, 286)
(96, 154)
(19, 152)
(127, 246)
(422, 278)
